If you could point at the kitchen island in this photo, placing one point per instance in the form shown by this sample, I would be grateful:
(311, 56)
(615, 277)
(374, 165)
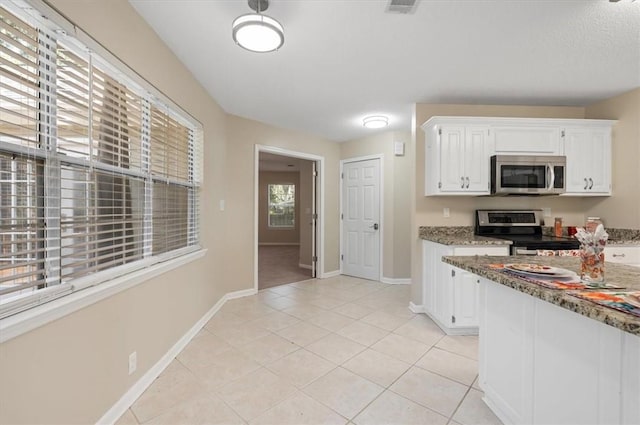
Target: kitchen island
(547, 357)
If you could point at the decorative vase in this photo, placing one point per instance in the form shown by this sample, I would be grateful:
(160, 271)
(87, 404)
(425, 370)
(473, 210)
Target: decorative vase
(592, 266)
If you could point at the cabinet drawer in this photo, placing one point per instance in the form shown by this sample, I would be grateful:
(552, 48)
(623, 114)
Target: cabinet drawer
(481, 250)
(622, 254)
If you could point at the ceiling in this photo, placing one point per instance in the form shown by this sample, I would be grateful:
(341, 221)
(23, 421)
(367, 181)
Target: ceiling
(273, 162)
(345, 59)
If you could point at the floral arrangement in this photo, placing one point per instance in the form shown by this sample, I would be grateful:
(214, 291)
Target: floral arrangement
(592, 253)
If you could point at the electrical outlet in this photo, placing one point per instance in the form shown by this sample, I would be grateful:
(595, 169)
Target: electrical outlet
(221, 205)
(546, 212)
(446, 213)
(133, 362)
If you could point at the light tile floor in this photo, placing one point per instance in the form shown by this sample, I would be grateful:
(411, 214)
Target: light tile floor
(332, 351)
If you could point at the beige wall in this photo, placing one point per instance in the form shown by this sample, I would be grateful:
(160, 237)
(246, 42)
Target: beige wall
(267, 235)
(395, 204)
(622, 209)
(427, 211)
(242, 137)
(75, 368)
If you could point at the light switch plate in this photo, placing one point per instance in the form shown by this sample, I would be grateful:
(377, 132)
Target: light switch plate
(398, 149)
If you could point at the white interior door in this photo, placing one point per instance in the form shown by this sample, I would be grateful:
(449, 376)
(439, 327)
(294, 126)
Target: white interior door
(361, 219)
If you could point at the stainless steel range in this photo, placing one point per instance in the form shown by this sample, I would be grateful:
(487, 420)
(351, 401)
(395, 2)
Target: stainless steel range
(523, 228)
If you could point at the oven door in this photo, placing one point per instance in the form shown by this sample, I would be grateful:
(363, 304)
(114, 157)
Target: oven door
(526, 175)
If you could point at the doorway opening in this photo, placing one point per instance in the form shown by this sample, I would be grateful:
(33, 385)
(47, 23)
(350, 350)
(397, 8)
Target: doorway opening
(288, 226)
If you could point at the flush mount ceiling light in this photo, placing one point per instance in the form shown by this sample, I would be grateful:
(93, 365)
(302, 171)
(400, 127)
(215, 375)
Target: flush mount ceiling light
(375, 121)
(257, 32)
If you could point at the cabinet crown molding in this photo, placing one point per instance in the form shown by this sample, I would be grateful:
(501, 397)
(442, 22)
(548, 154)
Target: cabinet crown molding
(567, 122)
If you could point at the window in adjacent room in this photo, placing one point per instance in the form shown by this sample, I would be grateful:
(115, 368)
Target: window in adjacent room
(282, 205)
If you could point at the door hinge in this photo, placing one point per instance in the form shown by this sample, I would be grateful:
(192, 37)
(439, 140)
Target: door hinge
(453, 319)
(314, 259)
(439, 185)
(341, 216)
(341, 257)
(314, 216)
(562, 133)
(453, 273)
(342, 175)
(439, 132)
(315, 174)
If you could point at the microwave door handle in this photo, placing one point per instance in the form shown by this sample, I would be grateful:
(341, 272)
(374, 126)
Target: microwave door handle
(552, 177)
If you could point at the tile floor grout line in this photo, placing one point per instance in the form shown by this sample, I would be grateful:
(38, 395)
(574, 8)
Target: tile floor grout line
(459, 404)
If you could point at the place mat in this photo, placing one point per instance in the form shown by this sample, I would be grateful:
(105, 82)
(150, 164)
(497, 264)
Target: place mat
(618, 300)
(554, 283)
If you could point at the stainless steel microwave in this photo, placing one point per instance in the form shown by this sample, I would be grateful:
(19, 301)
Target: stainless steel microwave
(528, 175)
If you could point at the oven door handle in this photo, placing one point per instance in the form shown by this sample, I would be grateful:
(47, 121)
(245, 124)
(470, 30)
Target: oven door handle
(520, 251)
(552, 177)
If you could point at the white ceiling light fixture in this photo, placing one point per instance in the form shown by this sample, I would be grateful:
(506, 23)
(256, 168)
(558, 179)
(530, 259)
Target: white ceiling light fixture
(257, 32)
(375, 121)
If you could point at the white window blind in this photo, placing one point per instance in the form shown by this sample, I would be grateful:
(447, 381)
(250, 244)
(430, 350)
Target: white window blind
(95, 172)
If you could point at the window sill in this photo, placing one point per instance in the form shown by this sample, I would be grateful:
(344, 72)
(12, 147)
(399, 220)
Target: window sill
(18, 324)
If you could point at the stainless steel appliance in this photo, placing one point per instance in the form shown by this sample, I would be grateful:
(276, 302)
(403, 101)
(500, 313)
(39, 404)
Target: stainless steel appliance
(523, 228)
(527, 175)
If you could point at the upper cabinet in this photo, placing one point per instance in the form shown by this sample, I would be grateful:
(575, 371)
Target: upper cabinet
(458, 167)
(458, 150)
(588, 152)
(527, 139)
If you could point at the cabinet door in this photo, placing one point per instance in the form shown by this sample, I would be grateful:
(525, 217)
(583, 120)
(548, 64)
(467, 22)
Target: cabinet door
(518, 140)
(576, 172)
(465, 298)
(599, 173)
(588, 152)
(452, 141)
(476, 161)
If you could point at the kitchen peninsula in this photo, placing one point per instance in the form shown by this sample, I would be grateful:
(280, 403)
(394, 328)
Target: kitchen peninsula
(548, 357)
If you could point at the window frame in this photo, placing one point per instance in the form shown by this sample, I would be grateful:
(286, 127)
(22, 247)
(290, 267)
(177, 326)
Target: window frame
(46, 304)
(285, 226)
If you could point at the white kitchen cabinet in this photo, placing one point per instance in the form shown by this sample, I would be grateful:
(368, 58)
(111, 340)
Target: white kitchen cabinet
(527, 139)
(456, 160)
(588, 152)
(543, 364)
(458, 149)
(622, 254)
(450, 294)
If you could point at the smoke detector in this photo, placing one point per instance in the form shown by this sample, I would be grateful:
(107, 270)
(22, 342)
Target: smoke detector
(402, 6)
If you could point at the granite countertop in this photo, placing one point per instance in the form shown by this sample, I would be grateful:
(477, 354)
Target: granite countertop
(619, 274)
(457, 235)
(464, 235)
(629, 237)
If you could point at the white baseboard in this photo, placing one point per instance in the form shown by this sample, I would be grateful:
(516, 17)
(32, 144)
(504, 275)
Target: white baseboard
(394, 281)
(416, 308)
(121, 406)
(305, 266)
(327, 275)
(278, 244)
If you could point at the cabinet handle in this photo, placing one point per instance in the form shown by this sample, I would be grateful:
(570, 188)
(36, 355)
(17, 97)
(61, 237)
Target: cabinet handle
(462, 182)
(467, 182)
(586, 183)
(619, 255)
(590, 182)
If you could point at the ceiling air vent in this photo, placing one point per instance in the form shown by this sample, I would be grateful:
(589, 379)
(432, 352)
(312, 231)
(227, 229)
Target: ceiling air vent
(402, 6)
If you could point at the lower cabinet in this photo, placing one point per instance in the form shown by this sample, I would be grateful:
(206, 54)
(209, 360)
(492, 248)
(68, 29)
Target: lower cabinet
(450, 294)
(543, 364)
(623, 254)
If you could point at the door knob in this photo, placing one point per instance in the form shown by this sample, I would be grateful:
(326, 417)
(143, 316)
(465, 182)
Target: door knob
(374, 226)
